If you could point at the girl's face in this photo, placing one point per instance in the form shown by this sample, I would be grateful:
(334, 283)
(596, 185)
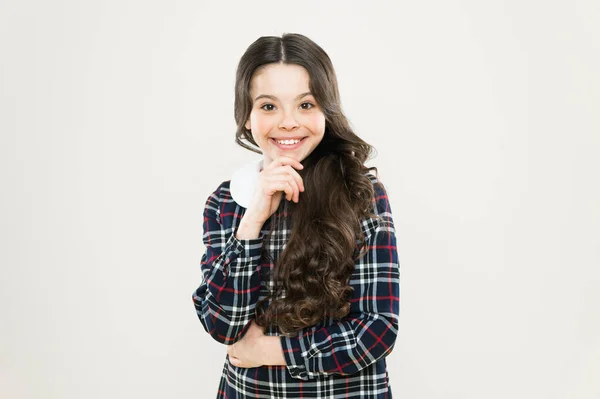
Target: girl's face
(283, 109)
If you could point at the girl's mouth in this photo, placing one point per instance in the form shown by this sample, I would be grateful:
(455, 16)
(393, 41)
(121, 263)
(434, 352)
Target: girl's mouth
(288, 144)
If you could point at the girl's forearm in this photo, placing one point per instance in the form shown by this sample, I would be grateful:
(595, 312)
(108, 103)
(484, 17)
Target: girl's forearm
(272, 350)
(248, 229)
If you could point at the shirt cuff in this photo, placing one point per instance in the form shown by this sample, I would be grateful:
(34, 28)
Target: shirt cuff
(293, 359)
(242, 252)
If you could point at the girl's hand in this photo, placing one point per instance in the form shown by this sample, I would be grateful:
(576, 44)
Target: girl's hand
(248, 352)
(277, 178)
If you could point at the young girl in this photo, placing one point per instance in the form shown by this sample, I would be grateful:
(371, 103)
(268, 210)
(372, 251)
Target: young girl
(304, 289)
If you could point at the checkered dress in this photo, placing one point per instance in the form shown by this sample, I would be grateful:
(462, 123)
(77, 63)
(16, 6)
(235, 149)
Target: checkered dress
(334, 359)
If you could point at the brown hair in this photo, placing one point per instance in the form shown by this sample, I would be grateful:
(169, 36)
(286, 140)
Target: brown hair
(326, 236)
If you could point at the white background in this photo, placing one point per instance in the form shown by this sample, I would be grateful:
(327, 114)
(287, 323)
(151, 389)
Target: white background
(116, 121)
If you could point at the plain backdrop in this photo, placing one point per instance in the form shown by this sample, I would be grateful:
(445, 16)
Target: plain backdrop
(116, 123)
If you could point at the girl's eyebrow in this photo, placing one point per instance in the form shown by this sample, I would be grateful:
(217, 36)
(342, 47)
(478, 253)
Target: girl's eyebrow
(308, 93)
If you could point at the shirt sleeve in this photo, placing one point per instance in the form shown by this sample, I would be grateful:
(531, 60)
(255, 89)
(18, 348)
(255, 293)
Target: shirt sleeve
(369, 331)
(230, 287)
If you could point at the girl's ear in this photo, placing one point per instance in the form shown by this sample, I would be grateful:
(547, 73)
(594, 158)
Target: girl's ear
(247, 125)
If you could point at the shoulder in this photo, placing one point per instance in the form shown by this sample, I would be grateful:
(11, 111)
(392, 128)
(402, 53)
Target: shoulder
(218, 199)
(380, 196)
(380, 207)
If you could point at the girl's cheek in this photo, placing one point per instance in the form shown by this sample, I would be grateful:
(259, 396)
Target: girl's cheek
(260, 122)
(264, 124)
(316, 121)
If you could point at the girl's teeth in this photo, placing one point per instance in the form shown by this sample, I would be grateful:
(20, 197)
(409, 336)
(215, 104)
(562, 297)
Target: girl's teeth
(288, 141)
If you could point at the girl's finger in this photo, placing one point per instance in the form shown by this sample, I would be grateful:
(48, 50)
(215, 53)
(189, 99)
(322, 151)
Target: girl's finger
(287, 169)
(297, 178)
(281, 184)
(295, 196)
(283, 160)
(289, 190)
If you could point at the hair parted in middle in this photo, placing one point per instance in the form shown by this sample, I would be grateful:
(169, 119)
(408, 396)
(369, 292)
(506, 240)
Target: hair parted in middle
(326, 235)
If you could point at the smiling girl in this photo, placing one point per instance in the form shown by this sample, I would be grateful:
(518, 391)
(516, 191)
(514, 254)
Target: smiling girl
(304, 291)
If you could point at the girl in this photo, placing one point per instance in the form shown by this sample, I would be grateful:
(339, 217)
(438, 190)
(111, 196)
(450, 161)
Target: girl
(304, 291)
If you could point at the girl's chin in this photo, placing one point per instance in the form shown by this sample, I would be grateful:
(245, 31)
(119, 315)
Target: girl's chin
(290, 154)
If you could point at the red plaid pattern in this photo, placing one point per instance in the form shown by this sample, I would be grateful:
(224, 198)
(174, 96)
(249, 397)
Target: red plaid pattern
(334, 359)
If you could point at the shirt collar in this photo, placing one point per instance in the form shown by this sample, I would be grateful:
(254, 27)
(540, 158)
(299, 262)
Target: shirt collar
(243, 182)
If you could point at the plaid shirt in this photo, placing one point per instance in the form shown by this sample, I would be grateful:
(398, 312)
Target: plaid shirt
(334, 359)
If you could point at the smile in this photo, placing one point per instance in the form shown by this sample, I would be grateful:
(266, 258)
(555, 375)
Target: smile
(288, 144)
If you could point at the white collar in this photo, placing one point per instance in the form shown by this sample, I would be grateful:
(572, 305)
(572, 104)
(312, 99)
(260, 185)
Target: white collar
(244, 181)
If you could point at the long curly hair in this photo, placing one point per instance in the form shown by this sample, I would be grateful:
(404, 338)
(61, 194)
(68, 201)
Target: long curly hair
(311, 275)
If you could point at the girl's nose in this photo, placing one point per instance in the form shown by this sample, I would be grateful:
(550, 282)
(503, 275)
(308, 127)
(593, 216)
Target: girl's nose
(288, 122)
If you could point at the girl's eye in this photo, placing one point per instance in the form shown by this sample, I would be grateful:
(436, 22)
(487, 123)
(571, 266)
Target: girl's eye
(307, 105)
(268, 107)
